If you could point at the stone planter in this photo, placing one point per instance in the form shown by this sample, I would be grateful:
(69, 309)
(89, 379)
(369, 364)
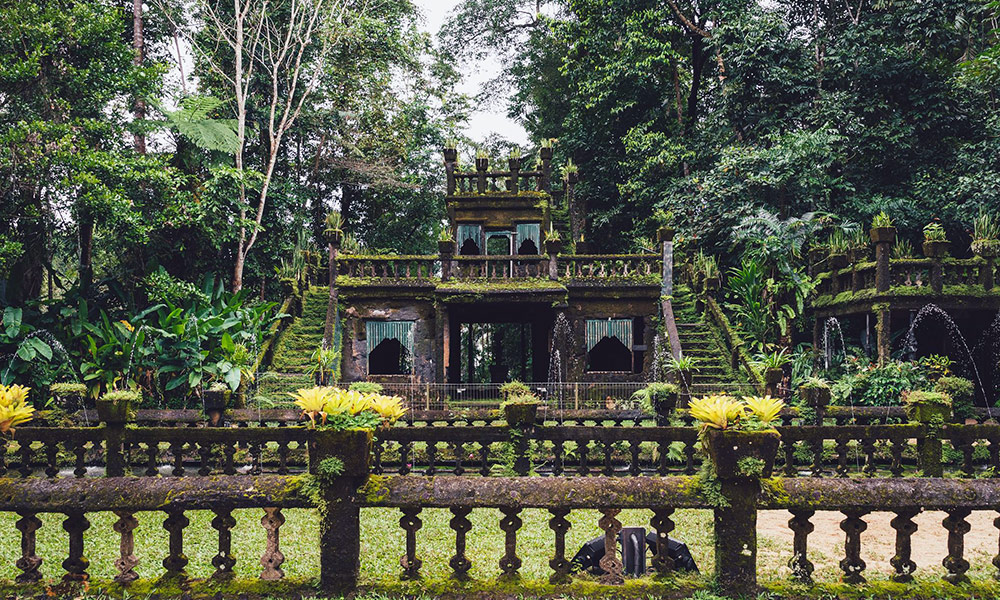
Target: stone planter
(838, 261)
(446, 248)
(773, 377)
(726, 448)
(68, 396)
(665, 234)
(572, 178)
(545, 153)
(935, 249)
(857, 255)
(815, 397)
(683, 379)
(520, 414)
(353, 447)
(663, 406)
(450, 154)
(514, 164)
(113, 411)
(482, 164)
(927, 412)
(553, 246)
(334, 238)
(712, 284)
(986, 248)
(883, 234)
(215, 400)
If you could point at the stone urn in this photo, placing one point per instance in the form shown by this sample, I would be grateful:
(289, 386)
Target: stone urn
(665, 234)
(935, 249)
(553, 246)
(482, 164)
(334, 238)
(727, 449)
(216, 399)
(352, 447)
(116, 407)
(927, 407)
(446, 247)
(521, 415)
(450, 154)
(986, 248)
(883, 234)
(815, 396)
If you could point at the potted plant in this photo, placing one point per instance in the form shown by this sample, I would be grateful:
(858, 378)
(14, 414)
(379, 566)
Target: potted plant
(216, 397)
(570, 172)
(521, 410)
(553, 241)
(665, 231)
(341, 423)
(658, 399)
(545, 149)
(838, 246)
(683, 369)
(14, 407)
(482, 160)
(446, 242)
(986, 236)
(935, 240)
(451, 150)
(116, 406)
(882, 230)
(815, 393)
(68, 396)
(710, 270)
(929, 408)
(773, 366)
(333, 232)
(739, 436)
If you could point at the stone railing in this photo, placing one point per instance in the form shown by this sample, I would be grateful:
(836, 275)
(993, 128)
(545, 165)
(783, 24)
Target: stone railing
(937, 275)
(499, 267)
(483, 180)
(610, 266)
(846, 443)
(734, 497)
(389, 269)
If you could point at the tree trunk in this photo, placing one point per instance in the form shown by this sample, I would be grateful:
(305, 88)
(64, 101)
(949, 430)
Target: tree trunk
(331, 306)
(86, 251)
(138, 45)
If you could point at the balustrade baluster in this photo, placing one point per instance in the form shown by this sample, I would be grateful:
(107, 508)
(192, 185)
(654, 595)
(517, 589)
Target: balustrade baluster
(76, 563)
(29, 562)
(994, 450)
(816, 468)
(152, 453)
(51, 459)
(127, 560)
(633, 467)
(459, 450)
(662, 524)
(801, 526)
(79, 459)
(25, 455)
(378, 448)
(896, 468)
(273, 557)
(905, 528)
(789, 451)
(223, 561)
(967, 446)
(663, 454)
(431, 458)
(610, 562)
(843, 448)
(559, 564)
(955, 562)
(509, 524)
(283, 458)
(256, 454)
(609, 468)
(404, 458)
(583, 447)
(175, 523)
(411, 523)
(690, 449)
(460, 523)
(484, 459)
(852, 565)
(204, 459)
(229, 458)
(558, 449)
(177, 454)
(868, 447)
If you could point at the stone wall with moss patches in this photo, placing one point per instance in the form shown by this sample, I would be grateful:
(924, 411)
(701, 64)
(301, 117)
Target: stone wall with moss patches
(580, 309)
(355, 351)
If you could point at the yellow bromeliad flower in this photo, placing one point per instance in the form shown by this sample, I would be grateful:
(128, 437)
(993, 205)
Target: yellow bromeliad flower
(716, 412)
(338, 402)
(14, 407)
(390, 408)
(313, 402)
(357, 401)
(765, 408)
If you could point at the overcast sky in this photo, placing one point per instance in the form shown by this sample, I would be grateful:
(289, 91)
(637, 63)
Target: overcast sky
(484, 121)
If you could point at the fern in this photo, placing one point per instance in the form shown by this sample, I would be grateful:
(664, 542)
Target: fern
(193, 122)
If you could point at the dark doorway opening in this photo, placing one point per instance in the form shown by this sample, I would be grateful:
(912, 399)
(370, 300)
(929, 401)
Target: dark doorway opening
(388, 358)
(469, 248)
(528, 247)
(609, 355)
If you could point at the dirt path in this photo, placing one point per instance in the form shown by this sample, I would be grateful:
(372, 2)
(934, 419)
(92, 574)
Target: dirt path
(878, 543)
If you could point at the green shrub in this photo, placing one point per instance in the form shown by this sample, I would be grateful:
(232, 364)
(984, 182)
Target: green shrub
(879, 386)
(514, 388)
(366, 387)
(962, 393)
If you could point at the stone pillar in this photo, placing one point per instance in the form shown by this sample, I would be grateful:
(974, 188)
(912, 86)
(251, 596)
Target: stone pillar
(442, 342)
(937, 275)
(333, 244)
(482, 164)
(340, 516)
(883, 332)
(514, 183)
(665, 235)
(986, 277)
(114, 440)
(450, 161)
(883, 238)
(544, 179)
(446, 252)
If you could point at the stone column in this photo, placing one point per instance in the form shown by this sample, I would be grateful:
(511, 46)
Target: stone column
(883, 332)
(665, 235)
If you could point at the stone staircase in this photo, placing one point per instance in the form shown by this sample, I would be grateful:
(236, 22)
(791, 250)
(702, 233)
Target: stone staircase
(292, 353)
(700, 341)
